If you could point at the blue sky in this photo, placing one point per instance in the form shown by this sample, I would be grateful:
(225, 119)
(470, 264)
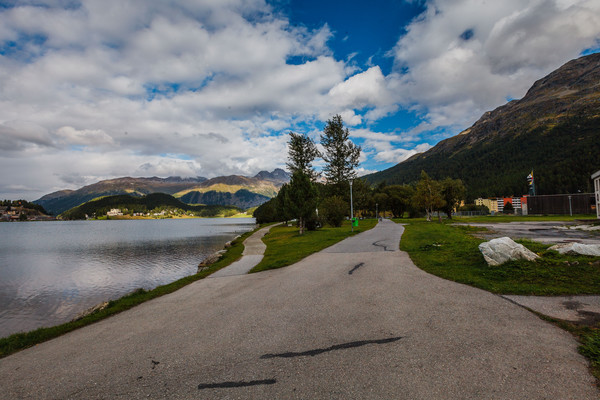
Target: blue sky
(97, 89)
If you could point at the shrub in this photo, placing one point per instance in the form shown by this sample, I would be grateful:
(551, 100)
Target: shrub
(334, 209)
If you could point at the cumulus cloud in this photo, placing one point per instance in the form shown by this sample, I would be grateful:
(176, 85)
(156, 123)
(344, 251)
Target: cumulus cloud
(461, 58)
(85, 137)
(155, 87)
(94, 89)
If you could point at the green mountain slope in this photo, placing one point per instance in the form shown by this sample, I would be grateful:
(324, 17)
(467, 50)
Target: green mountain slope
(142, 204)
(264, 185)
(63, 200)
(242, 198)
(554, 129)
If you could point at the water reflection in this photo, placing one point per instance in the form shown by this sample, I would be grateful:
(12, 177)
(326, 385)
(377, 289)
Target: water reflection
(50, 271)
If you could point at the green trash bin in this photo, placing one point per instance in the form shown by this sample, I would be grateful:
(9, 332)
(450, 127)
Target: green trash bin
(355, 222)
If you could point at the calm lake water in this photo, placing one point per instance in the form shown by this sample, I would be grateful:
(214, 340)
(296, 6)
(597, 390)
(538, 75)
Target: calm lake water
(51, 271)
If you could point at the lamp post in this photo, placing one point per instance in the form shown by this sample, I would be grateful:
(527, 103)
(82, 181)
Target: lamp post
(351, 208)
(376, 210)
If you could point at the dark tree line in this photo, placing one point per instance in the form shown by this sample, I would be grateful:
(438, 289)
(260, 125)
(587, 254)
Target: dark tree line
(563, 157)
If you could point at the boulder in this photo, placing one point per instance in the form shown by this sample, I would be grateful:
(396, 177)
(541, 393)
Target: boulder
(500, 250)
(213, 258)
(91, 310)
(577, 248)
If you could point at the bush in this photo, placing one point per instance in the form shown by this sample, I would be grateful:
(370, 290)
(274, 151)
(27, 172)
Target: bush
(334, 209)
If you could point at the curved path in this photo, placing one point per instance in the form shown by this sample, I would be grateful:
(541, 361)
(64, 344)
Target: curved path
(357, 320)
(254, 251)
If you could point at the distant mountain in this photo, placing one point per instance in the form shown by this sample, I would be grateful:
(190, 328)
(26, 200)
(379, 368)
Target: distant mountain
(236, 190)
(278, 176)
(142, 204)
(242, 198)
(58, 202)
(554, 129)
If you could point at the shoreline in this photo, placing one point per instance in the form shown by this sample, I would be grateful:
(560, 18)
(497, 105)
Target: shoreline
(21, 340)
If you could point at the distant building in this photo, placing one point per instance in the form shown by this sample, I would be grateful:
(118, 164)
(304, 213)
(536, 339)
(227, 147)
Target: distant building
(496, 204)
(491, 204)
(114, 212)
(596, 179)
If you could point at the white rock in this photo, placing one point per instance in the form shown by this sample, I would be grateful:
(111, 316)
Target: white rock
(500, 250)
(589, 227)
(577, 248)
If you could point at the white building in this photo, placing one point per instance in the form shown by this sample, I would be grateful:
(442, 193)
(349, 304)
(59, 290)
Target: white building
(596, 179)
(114, 212)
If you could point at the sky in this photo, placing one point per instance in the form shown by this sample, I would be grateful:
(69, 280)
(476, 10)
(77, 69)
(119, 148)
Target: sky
(98, 89)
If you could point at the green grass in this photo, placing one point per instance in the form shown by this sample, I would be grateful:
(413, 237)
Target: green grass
(452, 253)
(20, 341)
(590, 347)
(285, 246)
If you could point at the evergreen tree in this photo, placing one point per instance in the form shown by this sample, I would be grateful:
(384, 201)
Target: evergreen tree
(303, 196)
(453, 191)
(301, 153)
(334, 209)
(341, 155)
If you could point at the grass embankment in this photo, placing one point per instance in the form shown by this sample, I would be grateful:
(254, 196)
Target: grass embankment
(20, 341)
(285, 245)
(452, 253)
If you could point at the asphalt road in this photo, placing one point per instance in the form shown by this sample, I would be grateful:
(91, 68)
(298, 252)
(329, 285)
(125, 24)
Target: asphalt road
(357, 321)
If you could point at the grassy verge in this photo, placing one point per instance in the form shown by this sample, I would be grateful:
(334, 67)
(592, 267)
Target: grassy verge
(452, 253)
(285, 246)
(20, 341)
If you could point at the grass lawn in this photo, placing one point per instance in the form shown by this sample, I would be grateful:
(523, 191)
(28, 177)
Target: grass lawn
(20, 341)
(285, 246)
(451, 252)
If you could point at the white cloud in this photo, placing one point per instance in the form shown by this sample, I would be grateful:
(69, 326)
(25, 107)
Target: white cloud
(85, 137)
(464, 57)
(175, 87)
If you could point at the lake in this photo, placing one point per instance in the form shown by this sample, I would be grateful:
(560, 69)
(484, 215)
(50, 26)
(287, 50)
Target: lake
(51, 271)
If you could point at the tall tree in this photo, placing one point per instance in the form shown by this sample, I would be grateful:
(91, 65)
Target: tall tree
(453, 191)
(301, 153)
(303, 196)
(341, 155)
(428, 195)
(399, 198)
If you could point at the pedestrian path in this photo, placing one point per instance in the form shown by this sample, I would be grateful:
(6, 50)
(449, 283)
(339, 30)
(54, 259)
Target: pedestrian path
(357, 321)
(254, 250)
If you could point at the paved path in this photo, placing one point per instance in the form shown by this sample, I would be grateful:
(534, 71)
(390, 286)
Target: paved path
(352, 322)
(579, 309)
(254, 250)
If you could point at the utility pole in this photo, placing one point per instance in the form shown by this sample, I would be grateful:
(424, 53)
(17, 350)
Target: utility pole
(351, 208)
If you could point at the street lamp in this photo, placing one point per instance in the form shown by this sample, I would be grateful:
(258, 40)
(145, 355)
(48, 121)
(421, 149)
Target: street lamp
(351, 208)
(377, 211)
(570, 207)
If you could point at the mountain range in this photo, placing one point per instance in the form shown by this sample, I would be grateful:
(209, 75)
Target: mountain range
(553, 130)
(233, 190)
